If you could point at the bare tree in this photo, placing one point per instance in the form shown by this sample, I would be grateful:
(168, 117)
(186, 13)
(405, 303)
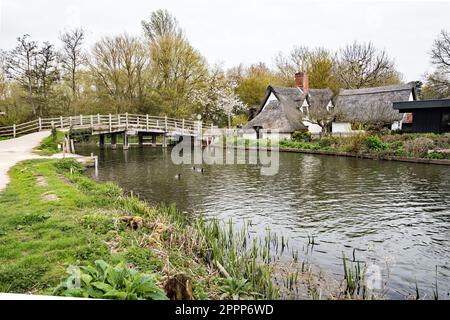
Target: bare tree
(440, 53)
(46, 73)
(118, 65)
(72, 56)
(296, 61)
(323, 117)
(21, 66)
(361, 65)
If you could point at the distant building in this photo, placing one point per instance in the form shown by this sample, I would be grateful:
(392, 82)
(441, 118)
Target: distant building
(427, 116)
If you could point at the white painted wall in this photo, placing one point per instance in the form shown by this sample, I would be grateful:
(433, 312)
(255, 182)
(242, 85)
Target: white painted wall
(312, 127)
(341, 127)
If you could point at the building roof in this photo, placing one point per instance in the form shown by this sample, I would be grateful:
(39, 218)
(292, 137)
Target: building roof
(319, 98)
(282, 114)
(421, 104)
(366, 104)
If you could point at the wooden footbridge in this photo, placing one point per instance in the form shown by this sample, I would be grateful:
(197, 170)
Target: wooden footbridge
(120, 124)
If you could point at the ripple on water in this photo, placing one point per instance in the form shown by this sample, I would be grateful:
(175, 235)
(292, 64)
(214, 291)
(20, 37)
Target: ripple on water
(396, 214)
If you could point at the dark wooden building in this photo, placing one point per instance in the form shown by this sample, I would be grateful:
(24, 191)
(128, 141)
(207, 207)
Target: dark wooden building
(427, 115)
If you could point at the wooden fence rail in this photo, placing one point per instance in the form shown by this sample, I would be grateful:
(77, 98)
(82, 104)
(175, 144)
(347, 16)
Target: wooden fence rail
(127, 120)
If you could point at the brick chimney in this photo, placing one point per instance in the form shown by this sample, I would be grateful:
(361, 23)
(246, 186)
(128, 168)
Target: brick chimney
(302, 82)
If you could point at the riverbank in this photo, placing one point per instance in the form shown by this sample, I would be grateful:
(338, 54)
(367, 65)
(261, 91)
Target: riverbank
(414, 148)
(54, 218)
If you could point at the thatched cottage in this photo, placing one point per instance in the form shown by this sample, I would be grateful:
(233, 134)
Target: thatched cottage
(286, 110)
(372, 106)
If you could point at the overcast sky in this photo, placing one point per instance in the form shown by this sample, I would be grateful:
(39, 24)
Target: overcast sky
(248, 31)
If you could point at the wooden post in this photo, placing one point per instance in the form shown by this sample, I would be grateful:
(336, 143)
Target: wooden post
(125, 141)
(137, 121)
(14, 130)
(113, 141)
(40, 123)
(126, 120)
(146, 121)
(70, 121)
(110, 123)
(81, 120)
(165, 123)
(118, 119)
(101, 140)
(157, 124)
(98, 118)
(61, 122)
(92, 120)
(182, 129)
(164, 141)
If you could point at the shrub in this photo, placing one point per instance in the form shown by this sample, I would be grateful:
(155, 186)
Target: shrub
(69, 164)
(355, 144)
(301, 136)
(418, 147)
(328, 141)
(107, 282)
(375, 143)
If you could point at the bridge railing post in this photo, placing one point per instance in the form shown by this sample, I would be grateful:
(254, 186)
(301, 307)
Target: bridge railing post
(92, 120)
(81, 119)
(40, 123)
(165, 123)
(118, 119)
(98, 118)
(182, 128)
(110, 124)
(14, 130)
(126, 120)
(137, 121)
(61, 122)
(146, 121)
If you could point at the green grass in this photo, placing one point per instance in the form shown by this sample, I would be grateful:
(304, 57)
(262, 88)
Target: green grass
(41, 238)
(49, 145)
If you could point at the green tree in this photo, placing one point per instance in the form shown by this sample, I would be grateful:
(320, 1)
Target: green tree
(252, 83)
(177, 70)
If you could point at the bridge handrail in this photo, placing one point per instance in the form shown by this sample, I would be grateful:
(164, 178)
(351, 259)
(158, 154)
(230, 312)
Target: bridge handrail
(183, 126)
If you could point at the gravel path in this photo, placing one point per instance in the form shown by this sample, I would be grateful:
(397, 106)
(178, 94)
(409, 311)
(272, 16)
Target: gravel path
(15, 150)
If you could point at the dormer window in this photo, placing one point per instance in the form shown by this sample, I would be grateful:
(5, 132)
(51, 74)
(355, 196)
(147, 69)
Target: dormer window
(305, 106)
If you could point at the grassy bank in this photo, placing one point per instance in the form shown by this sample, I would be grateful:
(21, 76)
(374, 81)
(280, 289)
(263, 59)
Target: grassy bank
(53, 220)
(414, 146)
(49, 145)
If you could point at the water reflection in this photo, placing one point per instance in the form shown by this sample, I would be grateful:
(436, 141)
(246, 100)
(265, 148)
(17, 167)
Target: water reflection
(395, 214)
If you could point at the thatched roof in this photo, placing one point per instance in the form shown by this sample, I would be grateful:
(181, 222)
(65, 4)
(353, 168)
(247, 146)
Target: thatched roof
(282, 114)
(319, 98)
(373, 104)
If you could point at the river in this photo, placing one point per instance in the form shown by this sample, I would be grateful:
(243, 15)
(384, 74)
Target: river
(395, 215)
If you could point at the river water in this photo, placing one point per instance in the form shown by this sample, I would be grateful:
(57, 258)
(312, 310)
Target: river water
(396, 216)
